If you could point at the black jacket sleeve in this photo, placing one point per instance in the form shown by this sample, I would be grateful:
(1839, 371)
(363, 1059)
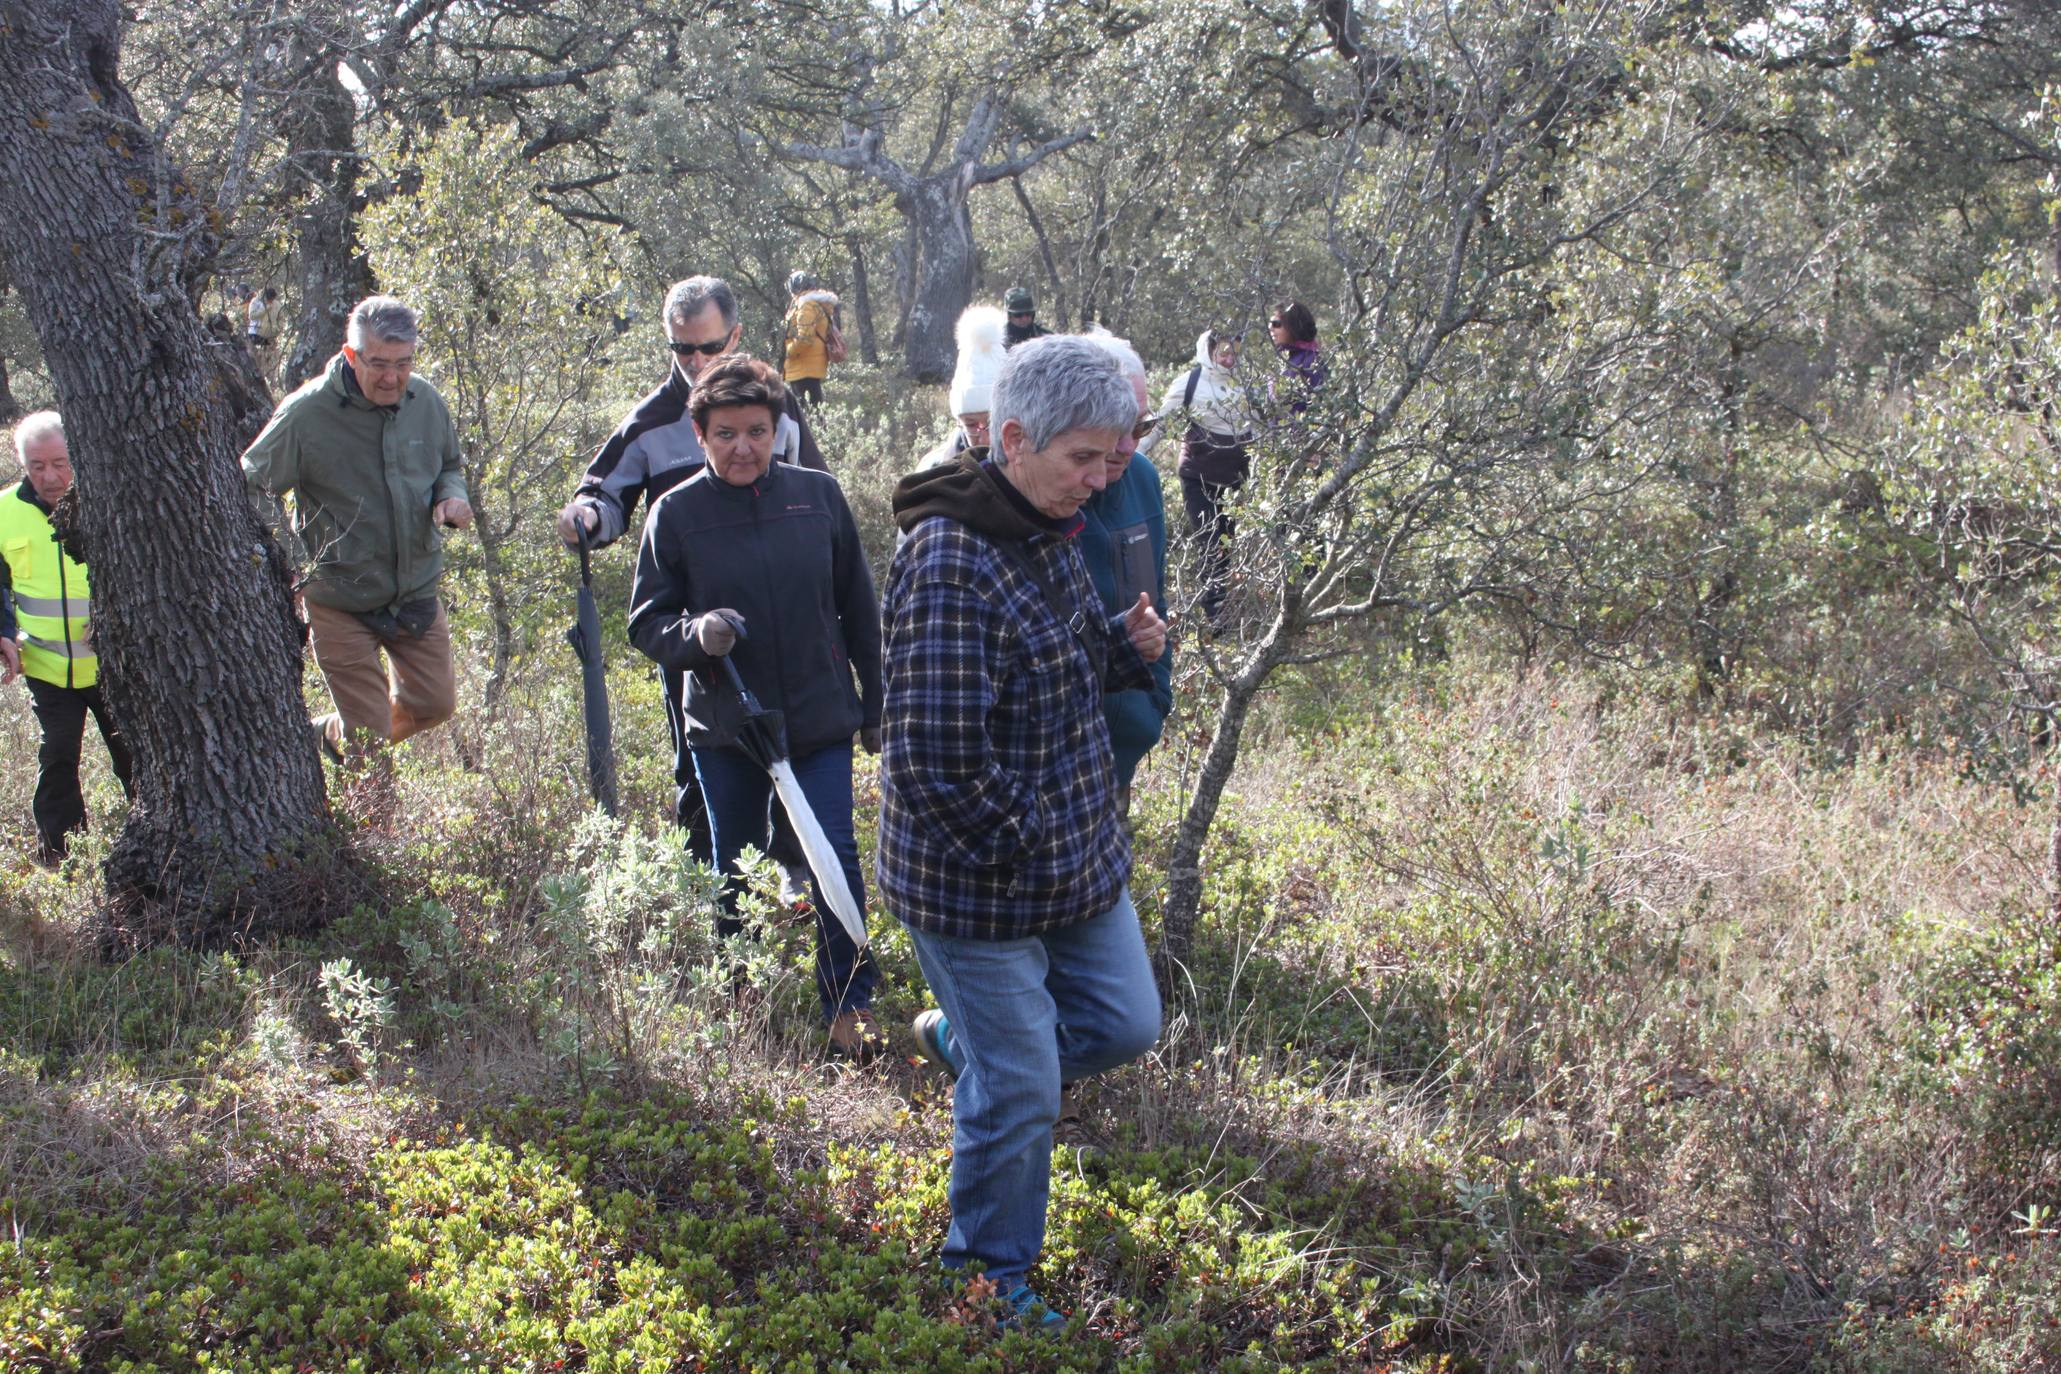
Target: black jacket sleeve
(661, 604)
(858, 611)
(8, 628)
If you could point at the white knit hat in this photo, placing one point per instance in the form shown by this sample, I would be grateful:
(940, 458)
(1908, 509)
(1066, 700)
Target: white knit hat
(980, 359)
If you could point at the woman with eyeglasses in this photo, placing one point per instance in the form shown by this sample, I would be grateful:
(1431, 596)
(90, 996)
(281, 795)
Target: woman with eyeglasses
(979, 334)
(761, 563)
(1123, 543)
(1214, 458)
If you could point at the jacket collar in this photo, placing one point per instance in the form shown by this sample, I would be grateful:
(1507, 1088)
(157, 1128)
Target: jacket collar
(678, 386)
(768, 482)
(343, 383)
(27, 493)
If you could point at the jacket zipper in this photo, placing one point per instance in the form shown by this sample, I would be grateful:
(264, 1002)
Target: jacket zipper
(386, 481)
(64, 607)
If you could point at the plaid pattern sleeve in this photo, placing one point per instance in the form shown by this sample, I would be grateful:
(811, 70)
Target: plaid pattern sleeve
(998, 815)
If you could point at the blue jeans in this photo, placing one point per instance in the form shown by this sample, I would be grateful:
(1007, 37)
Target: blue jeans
(1026, 1016)
(739, 795)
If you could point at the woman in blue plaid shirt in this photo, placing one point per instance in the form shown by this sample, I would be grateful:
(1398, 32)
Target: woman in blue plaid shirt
(1001, 846)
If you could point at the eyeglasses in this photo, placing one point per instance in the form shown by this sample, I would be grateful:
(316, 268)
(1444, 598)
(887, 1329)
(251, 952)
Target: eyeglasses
(1277, 324)
(1146, 424)
(709, 349)
(385, 365)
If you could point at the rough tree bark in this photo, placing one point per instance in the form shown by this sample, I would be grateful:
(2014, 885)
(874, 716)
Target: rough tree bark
(1051, 266)
(862, 301)
(321, 136)
(10, 409)
(935, 208)
(199, 647)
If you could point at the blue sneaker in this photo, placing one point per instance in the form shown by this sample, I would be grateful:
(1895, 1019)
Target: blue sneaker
(1029, 1312)
(934, 1038)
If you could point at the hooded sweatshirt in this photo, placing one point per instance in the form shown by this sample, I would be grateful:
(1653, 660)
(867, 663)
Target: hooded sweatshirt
(998, 810)
(1219, 416)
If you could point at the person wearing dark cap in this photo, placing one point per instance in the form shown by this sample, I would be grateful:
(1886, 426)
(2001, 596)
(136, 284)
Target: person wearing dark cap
(1023, 317)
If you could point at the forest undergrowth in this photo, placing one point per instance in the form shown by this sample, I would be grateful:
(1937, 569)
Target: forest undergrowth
(1535, 1025)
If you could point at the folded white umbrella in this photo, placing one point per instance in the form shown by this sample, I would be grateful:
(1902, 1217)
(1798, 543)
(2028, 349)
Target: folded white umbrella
(764, 738)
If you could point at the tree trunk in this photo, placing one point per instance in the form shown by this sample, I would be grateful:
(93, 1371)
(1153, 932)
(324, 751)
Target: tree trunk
(862, 301)
(10, 409)
(500, 603)
(1712, 630)
(1184, 862)
(321, 135)
(944, 276)
(905, 277)
(193, 621)
(2054, 863)
(1052, 278)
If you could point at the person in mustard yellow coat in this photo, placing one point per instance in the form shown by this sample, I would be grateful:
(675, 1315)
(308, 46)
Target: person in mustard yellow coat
(46, 634)
(811, 325)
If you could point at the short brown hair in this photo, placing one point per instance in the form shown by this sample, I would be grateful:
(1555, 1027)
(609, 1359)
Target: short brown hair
(737, 379)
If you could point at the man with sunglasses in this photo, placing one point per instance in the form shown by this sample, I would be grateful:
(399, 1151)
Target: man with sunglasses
(655, 449)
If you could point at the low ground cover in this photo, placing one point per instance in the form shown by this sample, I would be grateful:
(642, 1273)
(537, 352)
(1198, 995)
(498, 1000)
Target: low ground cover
(1533, 1026)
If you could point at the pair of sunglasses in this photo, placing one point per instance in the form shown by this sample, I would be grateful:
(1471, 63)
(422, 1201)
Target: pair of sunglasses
(688, 349)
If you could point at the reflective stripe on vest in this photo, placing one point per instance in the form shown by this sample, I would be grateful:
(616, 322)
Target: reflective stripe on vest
(61, 650)
(51, 597)
(60, 607)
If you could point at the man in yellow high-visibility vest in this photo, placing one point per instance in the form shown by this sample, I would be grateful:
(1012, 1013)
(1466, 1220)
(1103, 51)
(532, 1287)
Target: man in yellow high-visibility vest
(46, 633)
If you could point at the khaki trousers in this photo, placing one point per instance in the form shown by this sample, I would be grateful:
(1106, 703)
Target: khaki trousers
(411, 691)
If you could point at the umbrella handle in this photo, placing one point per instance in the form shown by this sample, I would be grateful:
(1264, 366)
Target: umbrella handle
(586, 545)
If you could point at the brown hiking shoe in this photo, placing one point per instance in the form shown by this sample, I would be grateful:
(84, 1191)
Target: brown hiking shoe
(1069, 1129)
(856, 1035)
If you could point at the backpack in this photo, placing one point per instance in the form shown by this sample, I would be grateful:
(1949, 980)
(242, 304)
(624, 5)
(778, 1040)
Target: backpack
(835, 349)
(1217, 458)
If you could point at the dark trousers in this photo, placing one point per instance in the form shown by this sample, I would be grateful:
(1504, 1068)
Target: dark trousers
(739, 794)
(690, 812)
(808, 390)
(1212, 530)
(59, 806)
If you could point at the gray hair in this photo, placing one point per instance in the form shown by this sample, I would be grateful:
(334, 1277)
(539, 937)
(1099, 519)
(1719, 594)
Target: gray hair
(34, 429)
(381, 319)
(1061, 382)
(1127, 359)
(689, 298)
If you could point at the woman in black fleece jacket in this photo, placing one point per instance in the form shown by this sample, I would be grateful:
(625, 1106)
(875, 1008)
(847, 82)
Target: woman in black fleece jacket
(761, 562)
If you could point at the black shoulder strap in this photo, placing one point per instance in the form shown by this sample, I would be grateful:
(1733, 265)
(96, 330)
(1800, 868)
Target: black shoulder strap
(1070, 613)
(1070, 616)
(1188, 400)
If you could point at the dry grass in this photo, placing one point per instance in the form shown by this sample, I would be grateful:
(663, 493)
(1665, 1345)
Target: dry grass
(1608, 996)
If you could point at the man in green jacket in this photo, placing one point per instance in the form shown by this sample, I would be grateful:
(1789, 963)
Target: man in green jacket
(371, 455)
